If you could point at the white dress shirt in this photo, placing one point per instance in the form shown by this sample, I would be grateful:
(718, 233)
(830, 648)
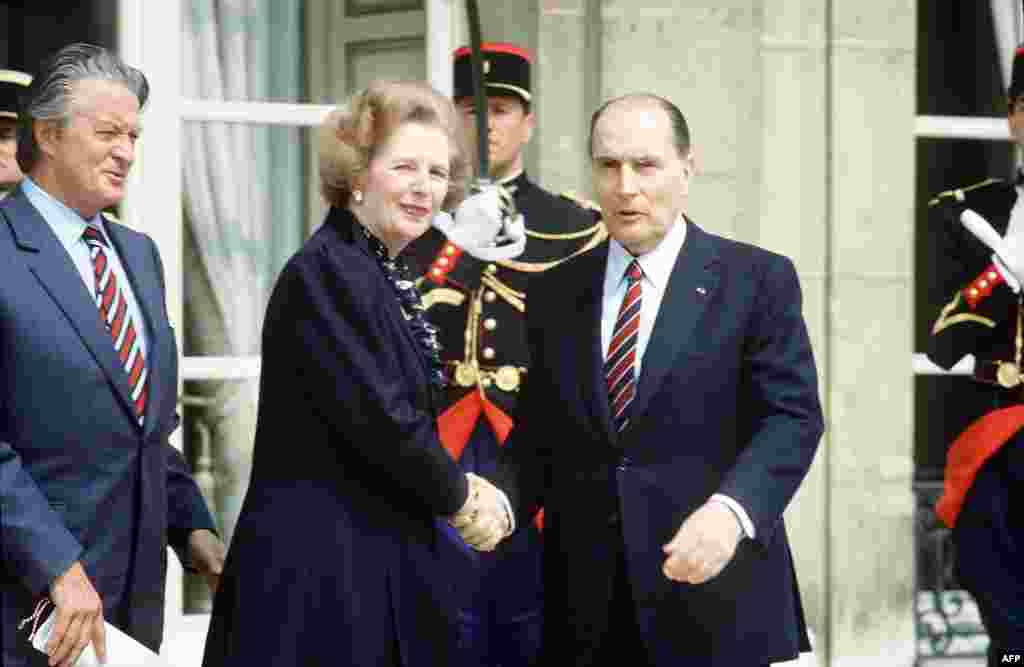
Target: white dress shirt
(68, 227)
(657, 266)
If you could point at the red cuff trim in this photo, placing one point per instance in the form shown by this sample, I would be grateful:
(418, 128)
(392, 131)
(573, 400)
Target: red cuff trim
(982, 286)
(445, 261)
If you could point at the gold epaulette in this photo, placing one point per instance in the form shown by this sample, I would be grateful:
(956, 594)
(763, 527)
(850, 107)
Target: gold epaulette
(958, 193)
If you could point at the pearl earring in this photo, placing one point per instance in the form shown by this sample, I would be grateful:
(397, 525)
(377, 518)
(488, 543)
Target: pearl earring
(357, 196)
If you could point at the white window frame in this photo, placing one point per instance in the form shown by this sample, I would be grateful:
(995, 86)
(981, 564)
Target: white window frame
(979, 128)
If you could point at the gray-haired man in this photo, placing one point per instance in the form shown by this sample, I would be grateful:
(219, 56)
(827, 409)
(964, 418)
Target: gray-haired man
(91, 491)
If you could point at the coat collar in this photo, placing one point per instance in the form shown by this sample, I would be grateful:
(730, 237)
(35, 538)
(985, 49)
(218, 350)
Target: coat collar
(347, 226)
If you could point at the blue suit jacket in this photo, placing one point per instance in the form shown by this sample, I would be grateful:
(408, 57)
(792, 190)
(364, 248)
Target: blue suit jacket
(79, 478)
(727, 402)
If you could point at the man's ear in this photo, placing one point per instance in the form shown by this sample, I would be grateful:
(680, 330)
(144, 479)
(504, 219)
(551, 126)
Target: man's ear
(531, 124)
(360, 179)
(689, 169)
(47, 134)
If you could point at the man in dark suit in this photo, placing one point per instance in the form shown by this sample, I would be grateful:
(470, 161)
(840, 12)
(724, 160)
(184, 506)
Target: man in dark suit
(12, 84)
(479, 309)
(670, 414)
(980, 313)
(92, 492)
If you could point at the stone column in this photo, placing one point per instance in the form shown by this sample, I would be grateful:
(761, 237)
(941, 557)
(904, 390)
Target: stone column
(794, 221)
(871, 213)
(565, 76)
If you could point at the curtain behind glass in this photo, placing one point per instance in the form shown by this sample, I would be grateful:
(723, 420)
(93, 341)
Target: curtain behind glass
(244, 186)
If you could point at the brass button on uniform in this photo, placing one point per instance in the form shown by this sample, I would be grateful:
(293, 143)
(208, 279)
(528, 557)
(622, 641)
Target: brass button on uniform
(973, 292)
(983, 284)
(443, 261)
(490, 324)
(492, 269)
(992, 275)
(1008, 375)
(488, 353)
(490, 296)
(507, 378)
(465, 374)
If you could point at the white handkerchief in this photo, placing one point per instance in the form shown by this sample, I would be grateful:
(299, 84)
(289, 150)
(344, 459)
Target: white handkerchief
(122, 650)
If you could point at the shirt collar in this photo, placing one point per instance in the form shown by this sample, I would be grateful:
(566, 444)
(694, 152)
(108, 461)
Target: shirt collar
(657, 264)
(66, 223)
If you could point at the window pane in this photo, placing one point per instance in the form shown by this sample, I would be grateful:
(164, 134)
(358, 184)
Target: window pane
(298, 51)
(247, 201)
(958, 68)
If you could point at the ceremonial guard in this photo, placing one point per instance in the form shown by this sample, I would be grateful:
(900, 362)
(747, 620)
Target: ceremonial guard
(12, 84)
(479, 308)
(983, 230)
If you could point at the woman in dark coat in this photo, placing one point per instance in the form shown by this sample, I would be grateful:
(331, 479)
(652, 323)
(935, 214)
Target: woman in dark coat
(334, 559)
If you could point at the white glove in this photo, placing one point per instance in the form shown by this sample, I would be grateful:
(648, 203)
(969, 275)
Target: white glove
(1007, 251)
(485, 225)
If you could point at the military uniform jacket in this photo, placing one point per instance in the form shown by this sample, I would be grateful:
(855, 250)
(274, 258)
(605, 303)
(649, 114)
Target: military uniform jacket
(479, 307)
(985, 464)
(976, 313)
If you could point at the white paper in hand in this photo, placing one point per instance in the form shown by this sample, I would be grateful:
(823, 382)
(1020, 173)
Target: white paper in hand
(122, 650)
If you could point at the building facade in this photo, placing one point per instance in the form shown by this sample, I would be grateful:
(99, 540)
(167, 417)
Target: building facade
(809, 122)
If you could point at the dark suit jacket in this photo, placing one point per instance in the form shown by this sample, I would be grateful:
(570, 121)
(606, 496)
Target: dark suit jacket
(727, 402)
(334, 560)
(79, 478)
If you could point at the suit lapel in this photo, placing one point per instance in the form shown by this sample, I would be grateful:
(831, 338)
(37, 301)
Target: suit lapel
(58, 276)
(136, 259)
(590, 269)
(690, 288)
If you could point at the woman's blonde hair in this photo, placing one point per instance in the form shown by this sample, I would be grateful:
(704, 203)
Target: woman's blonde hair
(351, 134)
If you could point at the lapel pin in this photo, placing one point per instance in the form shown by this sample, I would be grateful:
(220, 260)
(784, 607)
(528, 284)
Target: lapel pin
(702, 291)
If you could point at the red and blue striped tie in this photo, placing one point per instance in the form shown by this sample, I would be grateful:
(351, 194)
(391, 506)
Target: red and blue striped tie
(620, 364)
(114, 311)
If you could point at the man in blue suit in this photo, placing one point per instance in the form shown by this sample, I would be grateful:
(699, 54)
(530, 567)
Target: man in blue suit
(666, 425)
(91, 491)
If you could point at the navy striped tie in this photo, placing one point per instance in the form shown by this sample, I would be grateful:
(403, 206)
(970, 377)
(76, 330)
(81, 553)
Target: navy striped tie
(114, 311)
(620, 364)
